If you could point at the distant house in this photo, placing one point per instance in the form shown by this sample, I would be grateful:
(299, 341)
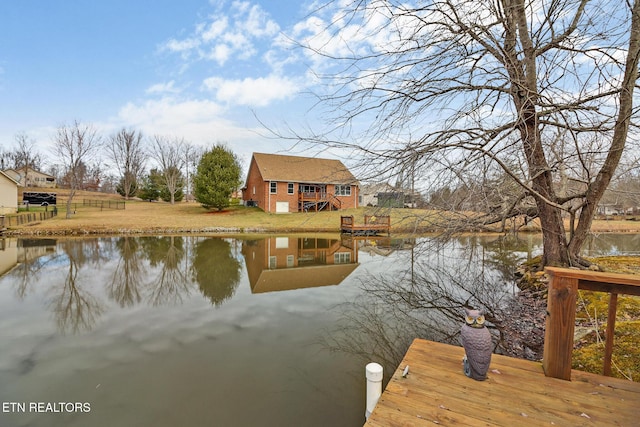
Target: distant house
(278, 183)
(387, 196)
(29, 177)
(8, 194)
(370, 192)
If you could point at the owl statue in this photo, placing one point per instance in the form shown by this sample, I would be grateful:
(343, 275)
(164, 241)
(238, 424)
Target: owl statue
(476, 340)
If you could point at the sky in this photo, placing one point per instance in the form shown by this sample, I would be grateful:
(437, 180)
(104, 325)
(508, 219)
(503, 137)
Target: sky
(198, 69)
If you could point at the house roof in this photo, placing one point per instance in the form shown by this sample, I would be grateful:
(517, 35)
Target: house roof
(277, 167)
(9, 177)
(30, 170)
(285, 279)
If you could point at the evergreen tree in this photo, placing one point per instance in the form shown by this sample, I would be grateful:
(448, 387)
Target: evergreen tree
(151, 186)
(217, 177)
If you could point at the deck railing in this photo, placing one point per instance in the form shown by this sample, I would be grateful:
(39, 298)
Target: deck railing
(561, 313)
(318, 197)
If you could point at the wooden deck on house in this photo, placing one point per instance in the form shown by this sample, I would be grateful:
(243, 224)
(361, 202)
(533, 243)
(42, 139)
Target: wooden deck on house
(516, 393)
(372, 225)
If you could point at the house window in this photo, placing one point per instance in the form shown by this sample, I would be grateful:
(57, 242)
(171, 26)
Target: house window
(254, 189)
(290, 188)
(343, 190)
(273, 187)
(342, 258)
(307, 188)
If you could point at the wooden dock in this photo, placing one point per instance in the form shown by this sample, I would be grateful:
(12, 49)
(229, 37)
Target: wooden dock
(516, 393)
(372, 226)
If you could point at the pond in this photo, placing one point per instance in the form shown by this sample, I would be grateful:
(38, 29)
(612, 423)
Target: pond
(237, 331)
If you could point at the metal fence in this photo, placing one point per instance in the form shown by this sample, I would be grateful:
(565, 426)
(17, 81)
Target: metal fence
(104, 204)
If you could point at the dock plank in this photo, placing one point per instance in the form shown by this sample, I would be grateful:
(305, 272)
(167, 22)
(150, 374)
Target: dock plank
(515, 393)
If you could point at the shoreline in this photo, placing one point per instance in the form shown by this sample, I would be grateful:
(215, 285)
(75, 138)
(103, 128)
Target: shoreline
(40, 229)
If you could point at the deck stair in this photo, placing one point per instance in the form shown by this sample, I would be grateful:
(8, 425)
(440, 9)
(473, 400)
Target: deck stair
(318, 201)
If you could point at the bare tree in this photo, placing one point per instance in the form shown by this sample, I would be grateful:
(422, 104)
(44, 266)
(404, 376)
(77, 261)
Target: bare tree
(25, 153)
(126, 150)
(169, 154)
(74, 145)
(447, 86)
(192, 155)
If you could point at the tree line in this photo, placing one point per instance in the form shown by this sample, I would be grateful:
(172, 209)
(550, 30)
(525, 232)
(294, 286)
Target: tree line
(151, 168)
(453, 90)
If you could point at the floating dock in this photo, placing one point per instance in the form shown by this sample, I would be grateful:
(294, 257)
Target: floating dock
(372, 226)
(516, 393)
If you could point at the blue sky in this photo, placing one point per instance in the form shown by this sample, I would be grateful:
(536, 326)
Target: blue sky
(195, 69)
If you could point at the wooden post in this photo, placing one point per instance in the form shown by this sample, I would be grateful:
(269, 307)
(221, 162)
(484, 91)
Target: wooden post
(560, 326)
(611, 329)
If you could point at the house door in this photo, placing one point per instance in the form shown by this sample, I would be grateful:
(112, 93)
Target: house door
(282, 207)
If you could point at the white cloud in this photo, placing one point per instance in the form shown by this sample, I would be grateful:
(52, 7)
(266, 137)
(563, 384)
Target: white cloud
(258, 23)
(220, 53)
(254, 92)
(167, 113)
(201, 122)
(223, 36)
(216, 29)
(167, 87)
(185, 45)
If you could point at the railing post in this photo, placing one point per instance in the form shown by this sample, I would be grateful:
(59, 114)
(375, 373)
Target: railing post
(611, 329)
(559, 326)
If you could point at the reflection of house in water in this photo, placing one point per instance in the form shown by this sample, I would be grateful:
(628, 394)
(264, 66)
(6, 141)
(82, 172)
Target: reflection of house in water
(8, 255)
(19, 251)
(285, 263)
(31, 249)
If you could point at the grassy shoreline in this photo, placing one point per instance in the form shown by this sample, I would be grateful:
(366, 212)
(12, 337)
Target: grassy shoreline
(141, 217)
(191, 218)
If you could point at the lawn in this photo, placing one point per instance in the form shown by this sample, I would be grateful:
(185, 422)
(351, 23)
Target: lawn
(161, 217)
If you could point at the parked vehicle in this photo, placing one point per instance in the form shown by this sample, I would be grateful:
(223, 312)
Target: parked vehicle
(39, 199)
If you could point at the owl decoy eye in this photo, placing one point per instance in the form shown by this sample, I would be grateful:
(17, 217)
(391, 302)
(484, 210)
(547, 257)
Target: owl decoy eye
(480, 320)
(469, 320)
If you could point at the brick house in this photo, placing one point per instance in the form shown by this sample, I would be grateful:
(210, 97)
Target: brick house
(279, 183)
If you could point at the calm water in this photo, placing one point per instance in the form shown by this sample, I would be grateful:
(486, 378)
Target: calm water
(208, 331)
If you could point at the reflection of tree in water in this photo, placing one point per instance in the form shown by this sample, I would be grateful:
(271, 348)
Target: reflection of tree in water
(216, 270)
(424, 301)
(172, 282)
(129, 273)
(74, 307)
(504, 254)
(27, 270)
(166, 255)
(612, 244)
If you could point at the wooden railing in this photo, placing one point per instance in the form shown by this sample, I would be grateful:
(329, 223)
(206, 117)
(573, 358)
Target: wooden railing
(561, 313)
(372, 225)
